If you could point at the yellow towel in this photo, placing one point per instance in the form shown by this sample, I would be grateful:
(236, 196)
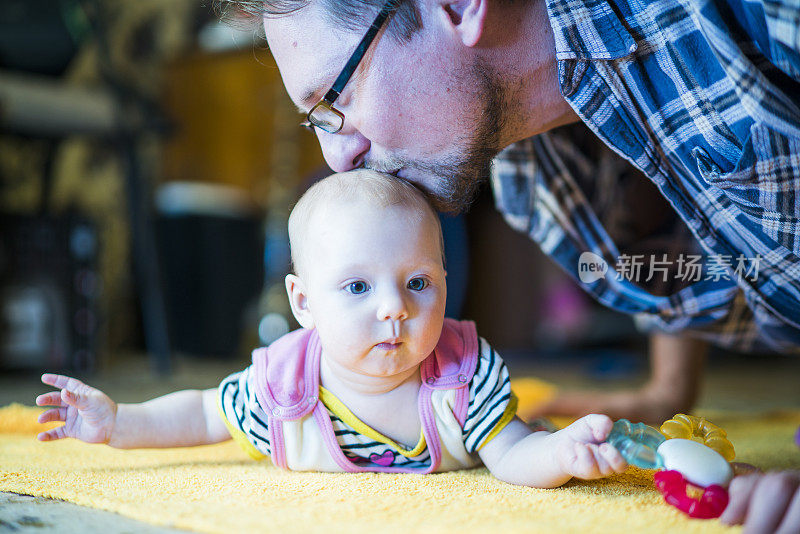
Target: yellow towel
(218, 488)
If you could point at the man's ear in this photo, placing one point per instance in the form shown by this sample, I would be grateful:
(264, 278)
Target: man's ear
(466, 18)
(298, 300)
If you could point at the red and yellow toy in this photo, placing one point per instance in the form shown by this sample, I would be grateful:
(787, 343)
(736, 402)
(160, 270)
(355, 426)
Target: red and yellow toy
(693, 461)
(697, 471)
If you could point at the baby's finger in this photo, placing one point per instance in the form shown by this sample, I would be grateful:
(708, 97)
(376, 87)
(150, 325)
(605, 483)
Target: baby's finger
(56, 414)
(61, 381)
(49, 399)
(613, 458)
(584, 461)
(53, 434)
(592, 428)
(603, 467)
(600, 425)
(78, 399)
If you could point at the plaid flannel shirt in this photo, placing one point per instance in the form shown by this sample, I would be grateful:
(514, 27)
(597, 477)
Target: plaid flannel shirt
(703, 97)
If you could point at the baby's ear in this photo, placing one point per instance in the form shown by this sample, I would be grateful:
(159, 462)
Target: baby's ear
(298, 300)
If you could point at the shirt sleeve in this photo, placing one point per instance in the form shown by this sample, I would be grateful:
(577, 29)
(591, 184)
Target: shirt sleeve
(492, 405)
(243, 415)
(738, 330)
(772, 25)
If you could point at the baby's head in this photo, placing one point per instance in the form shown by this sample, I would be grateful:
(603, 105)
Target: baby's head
(369, 271)
(355, 192)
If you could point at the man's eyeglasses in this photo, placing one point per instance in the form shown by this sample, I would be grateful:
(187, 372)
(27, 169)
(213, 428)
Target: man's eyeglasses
(323, 115)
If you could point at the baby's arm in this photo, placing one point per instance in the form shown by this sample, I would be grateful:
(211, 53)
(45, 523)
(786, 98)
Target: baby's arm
(544, 460)
(180, 419)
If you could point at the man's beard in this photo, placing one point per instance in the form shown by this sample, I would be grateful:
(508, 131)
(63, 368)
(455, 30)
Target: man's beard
(457, 178)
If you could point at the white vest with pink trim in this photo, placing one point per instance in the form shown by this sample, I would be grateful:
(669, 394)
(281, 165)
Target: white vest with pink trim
(300, 431)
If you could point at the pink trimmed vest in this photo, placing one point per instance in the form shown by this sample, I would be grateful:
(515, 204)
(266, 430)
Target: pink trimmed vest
(287, 386)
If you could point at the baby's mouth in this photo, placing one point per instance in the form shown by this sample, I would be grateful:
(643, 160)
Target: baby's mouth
(389, 344)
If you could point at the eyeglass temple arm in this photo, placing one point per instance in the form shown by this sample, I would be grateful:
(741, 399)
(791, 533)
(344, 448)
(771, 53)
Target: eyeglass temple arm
(352, 63)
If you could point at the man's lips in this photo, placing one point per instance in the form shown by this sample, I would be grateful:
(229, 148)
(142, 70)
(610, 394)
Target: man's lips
(420, 180)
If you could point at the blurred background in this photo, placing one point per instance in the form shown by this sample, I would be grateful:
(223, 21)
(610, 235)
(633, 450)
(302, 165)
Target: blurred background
(147, 153)
(149, 157)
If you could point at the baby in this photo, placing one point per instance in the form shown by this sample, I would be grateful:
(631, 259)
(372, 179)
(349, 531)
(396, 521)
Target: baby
(376, 380)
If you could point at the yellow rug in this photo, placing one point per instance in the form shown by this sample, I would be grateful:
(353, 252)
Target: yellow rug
(219, 489)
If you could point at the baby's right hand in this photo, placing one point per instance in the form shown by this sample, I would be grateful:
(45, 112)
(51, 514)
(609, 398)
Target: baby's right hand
(88, 413)
(582, 450)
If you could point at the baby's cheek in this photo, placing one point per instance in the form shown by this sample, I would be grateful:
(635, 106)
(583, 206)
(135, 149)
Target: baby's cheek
(432, 330)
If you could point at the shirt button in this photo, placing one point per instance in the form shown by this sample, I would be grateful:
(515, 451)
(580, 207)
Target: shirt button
(312, 400)
(462, 379)
(431, 381)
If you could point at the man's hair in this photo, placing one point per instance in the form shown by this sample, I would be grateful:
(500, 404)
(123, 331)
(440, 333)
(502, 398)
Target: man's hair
(376, 188)
(351, 14)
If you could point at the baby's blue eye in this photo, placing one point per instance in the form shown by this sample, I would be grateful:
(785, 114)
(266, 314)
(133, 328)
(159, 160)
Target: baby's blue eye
(356, 288)
(417, 284)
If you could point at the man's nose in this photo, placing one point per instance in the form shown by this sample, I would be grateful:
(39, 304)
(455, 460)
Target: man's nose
(345, 150)
(392, 307)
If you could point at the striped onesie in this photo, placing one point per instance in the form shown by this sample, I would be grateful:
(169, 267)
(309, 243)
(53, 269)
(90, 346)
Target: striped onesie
(490, 408)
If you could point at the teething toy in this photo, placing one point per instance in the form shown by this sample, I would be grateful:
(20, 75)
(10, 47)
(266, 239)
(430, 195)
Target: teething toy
(696, 470)
(693, 458)
(675, 488)
(699, 429)
(637, 443)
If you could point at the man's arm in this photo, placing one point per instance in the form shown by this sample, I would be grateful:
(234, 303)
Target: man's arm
(676, 369)
(677, 364)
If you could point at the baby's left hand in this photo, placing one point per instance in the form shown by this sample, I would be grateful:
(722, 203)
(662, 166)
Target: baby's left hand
(582, 452)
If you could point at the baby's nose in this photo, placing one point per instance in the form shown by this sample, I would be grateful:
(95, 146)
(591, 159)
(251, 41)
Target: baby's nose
(393, 307)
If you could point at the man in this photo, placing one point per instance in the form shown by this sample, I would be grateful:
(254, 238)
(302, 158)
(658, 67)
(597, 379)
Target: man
(701, 97)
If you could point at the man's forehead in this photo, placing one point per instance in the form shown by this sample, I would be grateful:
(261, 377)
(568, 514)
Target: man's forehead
(309, 52)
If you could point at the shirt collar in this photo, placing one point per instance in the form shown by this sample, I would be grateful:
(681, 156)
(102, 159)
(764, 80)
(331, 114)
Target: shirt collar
(588, 29)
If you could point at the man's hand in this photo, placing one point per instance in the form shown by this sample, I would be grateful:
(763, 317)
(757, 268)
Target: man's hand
(765, 502)
(645, 405)
(88, 413)
(581, 451)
